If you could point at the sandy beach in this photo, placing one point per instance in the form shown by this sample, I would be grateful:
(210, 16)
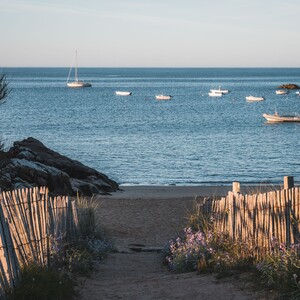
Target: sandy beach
(140, 220)
(170, 192)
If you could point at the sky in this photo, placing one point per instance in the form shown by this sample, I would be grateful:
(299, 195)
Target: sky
(150, 33)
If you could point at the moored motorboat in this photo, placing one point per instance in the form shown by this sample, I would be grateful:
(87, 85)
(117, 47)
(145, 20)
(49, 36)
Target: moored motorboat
(281, 92)
(215, 94)
(123, 93)
(220, 91)
(276, 118)
(297, 93)
(163, 97)
(254, 99)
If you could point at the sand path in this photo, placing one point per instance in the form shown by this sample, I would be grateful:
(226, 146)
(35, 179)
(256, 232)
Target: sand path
(150, 218)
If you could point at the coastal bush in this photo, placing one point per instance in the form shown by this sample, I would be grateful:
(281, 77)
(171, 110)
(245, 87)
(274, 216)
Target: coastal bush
(209, 251)
(79, 256)
(38, 282)
(281, 269)
(203, 248)
(92, 236)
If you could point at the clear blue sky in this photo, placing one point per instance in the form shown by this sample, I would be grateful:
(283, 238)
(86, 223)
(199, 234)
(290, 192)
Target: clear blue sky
(150, 33)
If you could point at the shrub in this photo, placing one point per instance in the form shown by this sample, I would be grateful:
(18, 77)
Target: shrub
(184, 254)
(281, 269)
(203, 248)
(211, 251)
(40, 283)
(79, 256)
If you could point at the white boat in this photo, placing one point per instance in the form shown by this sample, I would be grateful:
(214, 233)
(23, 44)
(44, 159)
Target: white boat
(254, 99)
(213, 94)
(163, 97)
(281, 92)
(76, 83)
(220, 91)
(297, 93)
(123, 93)
(276, 118)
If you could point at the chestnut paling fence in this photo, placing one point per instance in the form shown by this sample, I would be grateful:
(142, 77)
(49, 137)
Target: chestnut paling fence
(257, 219)
(31, 224)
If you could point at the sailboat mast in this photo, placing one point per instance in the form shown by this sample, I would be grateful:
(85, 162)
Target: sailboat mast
(76, 75)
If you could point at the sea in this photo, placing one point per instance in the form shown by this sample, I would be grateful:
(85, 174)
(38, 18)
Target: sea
(192, 139)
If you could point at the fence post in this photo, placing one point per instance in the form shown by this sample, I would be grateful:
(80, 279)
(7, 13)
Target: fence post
(236, 187)
(288, 182)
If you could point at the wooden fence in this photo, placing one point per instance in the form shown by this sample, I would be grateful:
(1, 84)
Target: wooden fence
(257, 219)
(31, 225)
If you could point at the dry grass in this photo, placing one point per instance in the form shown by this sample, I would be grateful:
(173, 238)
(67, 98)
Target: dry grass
(86, 208)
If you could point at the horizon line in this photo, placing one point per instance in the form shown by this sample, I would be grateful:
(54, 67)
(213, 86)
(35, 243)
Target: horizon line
(154, 67)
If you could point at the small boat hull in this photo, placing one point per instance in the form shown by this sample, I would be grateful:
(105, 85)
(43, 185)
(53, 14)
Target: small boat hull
(78, 84)
(215, 94)
(279, 119)
(121, 93)
(254, 99)
(220, 91)
(281, 92)
(163, 97)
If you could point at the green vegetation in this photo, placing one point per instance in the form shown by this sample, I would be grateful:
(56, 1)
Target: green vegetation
(42, 283)
(203, 248)
(281, 269)
(91, 245)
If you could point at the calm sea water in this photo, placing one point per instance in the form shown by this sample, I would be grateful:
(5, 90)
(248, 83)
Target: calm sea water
(192, 139)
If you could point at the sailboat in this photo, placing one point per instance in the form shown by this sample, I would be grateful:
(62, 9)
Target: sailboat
(77, 83)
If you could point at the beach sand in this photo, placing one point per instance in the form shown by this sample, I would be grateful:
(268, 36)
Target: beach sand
(145, 218)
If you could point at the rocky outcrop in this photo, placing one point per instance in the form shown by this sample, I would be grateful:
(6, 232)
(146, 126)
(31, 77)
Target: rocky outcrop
(30, 163)
(289, 86)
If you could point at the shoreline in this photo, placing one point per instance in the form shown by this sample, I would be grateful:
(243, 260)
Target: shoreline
(167, 192)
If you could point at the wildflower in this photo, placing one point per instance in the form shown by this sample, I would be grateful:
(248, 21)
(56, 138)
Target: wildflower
(295, 277)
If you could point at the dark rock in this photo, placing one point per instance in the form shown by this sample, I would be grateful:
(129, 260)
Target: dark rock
(30, 163)
(289, 86)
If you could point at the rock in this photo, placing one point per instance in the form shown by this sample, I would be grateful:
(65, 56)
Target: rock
(30, 163)
(289, 86)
